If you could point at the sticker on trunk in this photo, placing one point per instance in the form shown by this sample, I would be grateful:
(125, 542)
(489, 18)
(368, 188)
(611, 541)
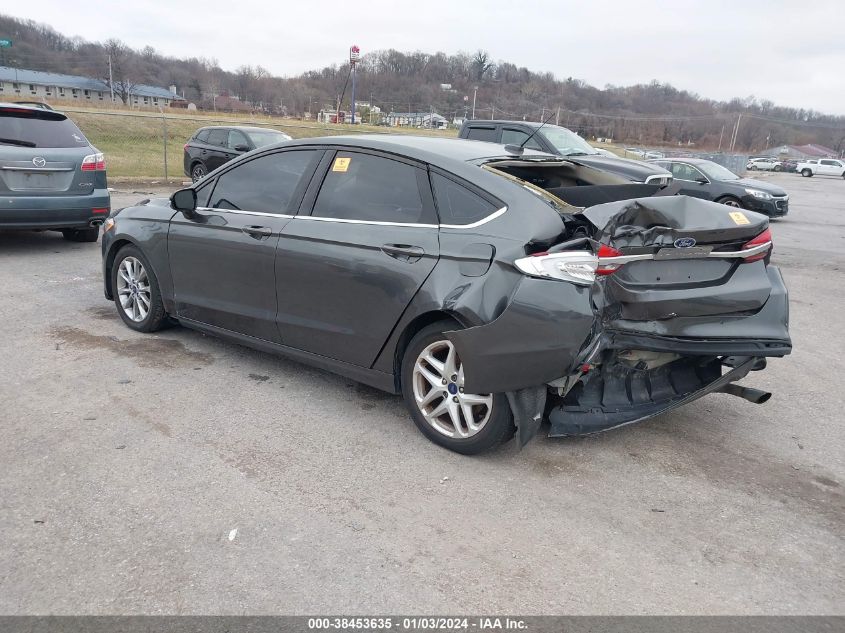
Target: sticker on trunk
(341, 164)
(739, 217)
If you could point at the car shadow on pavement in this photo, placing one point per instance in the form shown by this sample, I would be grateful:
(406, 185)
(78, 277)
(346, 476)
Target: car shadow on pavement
(25, 242)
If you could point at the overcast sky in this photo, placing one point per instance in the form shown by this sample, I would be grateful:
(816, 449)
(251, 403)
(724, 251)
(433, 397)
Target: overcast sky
(791, 52)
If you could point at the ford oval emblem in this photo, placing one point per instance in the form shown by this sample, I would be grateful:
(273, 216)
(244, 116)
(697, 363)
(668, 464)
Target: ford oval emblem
(685, 242)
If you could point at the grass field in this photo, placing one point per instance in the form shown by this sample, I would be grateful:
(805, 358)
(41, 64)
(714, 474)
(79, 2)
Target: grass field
(133, 142)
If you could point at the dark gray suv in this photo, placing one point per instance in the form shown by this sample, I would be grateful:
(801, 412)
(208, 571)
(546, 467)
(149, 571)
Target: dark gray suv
(51, 177)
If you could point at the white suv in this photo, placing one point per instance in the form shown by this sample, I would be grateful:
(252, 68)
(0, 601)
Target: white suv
(822, 167)
(765, 164)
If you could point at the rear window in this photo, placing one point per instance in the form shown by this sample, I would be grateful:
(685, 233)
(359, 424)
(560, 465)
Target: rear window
(39, 129)
(482, 134)
(457, 204)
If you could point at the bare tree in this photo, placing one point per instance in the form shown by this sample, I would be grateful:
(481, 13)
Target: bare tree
(122, 79)
(481, 64)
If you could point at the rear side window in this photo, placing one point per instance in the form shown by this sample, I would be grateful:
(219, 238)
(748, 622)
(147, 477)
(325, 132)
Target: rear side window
(39, 129)
(266, 184)
(458, 205)
(482, 134)
(370, 188)
(218, 137)
(202, 136)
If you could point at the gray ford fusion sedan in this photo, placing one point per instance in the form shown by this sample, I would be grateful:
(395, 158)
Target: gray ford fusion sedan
(495, 288)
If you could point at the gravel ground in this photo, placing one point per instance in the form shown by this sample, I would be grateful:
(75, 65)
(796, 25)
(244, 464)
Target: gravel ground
(176, 473)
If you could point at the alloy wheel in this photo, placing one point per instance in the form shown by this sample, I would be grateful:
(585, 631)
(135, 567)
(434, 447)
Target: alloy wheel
(438, 385)
(198, 173)
(731, 203)
(133, 289)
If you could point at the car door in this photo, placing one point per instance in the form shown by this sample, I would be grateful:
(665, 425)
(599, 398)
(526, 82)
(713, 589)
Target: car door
(350, 263)
(692, 181)
(830, 167)
(215, 153)
(222, 260)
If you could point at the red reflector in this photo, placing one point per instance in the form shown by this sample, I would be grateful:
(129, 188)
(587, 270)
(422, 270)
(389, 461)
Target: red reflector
(607, 251)
(540, 254)
(97, 211)
(585, 368)
(765, 236)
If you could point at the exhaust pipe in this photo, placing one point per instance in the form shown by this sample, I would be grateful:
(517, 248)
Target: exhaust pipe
(752, 395)
(94, 223)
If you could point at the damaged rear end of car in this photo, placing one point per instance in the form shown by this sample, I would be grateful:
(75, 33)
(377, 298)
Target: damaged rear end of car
(642, 304)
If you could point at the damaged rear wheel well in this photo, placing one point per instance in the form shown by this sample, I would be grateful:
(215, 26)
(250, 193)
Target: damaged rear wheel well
(411, 330)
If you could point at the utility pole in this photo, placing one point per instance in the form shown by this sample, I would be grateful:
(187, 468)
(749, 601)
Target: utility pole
(557, 116)
(474, 95)
(721, 134)
(111, 80)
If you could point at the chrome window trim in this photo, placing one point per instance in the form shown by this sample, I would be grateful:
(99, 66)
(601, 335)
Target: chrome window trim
(473, 225)
(477, 223)
(245, 212)
(668, 178)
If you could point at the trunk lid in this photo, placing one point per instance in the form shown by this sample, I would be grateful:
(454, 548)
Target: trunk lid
(680, 258)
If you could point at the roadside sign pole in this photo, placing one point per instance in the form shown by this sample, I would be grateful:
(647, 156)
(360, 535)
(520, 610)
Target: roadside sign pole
(354, 56)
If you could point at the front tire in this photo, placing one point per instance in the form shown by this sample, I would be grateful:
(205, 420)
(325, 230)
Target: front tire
(432, 386)
(81, 235)
(730, 201)
(777, 168)
(806, 173)
(136, 291)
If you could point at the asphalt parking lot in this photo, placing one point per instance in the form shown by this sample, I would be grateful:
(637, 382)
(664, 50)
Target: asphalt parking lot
(176, 473)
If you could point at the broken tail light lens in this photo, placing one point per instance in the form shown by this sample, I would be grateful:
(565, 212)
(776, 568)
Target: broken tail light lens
(94, 162)
(577, 267)
(607, 268)
(765, 238)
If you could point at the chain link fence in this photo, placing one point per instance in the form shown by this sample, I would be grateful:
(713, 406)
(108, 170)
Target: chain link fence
(150, 146)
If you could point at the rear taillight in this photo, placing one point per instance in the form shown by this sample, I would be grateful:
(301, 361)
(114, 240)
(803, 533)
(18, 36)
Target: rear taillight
(94, 162)
(764, 239)
(604, 252)
(186, 147)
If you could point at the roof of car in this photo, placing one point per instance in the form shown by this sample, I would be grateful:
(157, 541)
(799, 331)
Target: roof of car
(252, 128)
(429, 149)
(691, 161)
(488, 122)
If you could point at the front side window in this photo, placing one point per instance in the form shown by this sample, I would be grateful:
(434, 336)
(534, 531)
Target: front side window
(682, 171)
(517, 137)
(458, 205)
(714, 171)
(236, 138)
(370, 188)
(265, 184)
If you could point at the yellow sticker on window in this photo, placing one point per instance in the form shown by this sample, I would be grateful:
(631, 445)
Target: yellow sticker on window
(341, 164)
(737, 216)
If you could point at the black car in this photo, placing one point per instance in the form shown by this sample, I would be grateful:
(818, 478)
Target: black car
(554, 139)
(435, 268)
(213, 146)
(705, 179)
(51, 177)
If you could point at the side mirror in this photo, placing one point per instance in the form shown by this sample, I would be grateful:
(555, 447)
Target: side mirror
(185, 200)
(701, 180)
(241, 148)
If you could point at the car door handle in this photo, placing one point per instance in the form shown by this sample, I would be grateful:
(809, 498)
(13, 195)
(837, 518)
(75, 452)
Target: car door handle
(257, 232)
(404, 252)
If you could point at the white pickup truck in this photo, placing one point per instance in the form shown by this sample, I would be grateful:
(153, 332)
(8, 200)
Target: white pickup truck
(821, 167)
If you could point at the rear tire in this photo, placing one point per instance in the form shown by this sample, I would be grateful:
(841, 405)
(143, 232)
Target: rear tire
(468, 423)
(81, 235)
(777, 168)
(806, 173)
(198, 172)
(136, 291)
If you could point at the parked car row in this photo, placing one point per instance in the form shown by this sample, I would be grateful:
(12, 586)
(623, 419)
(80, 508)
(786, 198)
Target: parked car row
(492, 285)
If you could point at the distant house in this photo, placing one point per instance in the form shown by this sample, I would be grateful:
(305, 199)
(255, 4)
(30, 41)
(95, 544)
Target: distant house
(417, 119)
(800, 151)
(23, 84)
